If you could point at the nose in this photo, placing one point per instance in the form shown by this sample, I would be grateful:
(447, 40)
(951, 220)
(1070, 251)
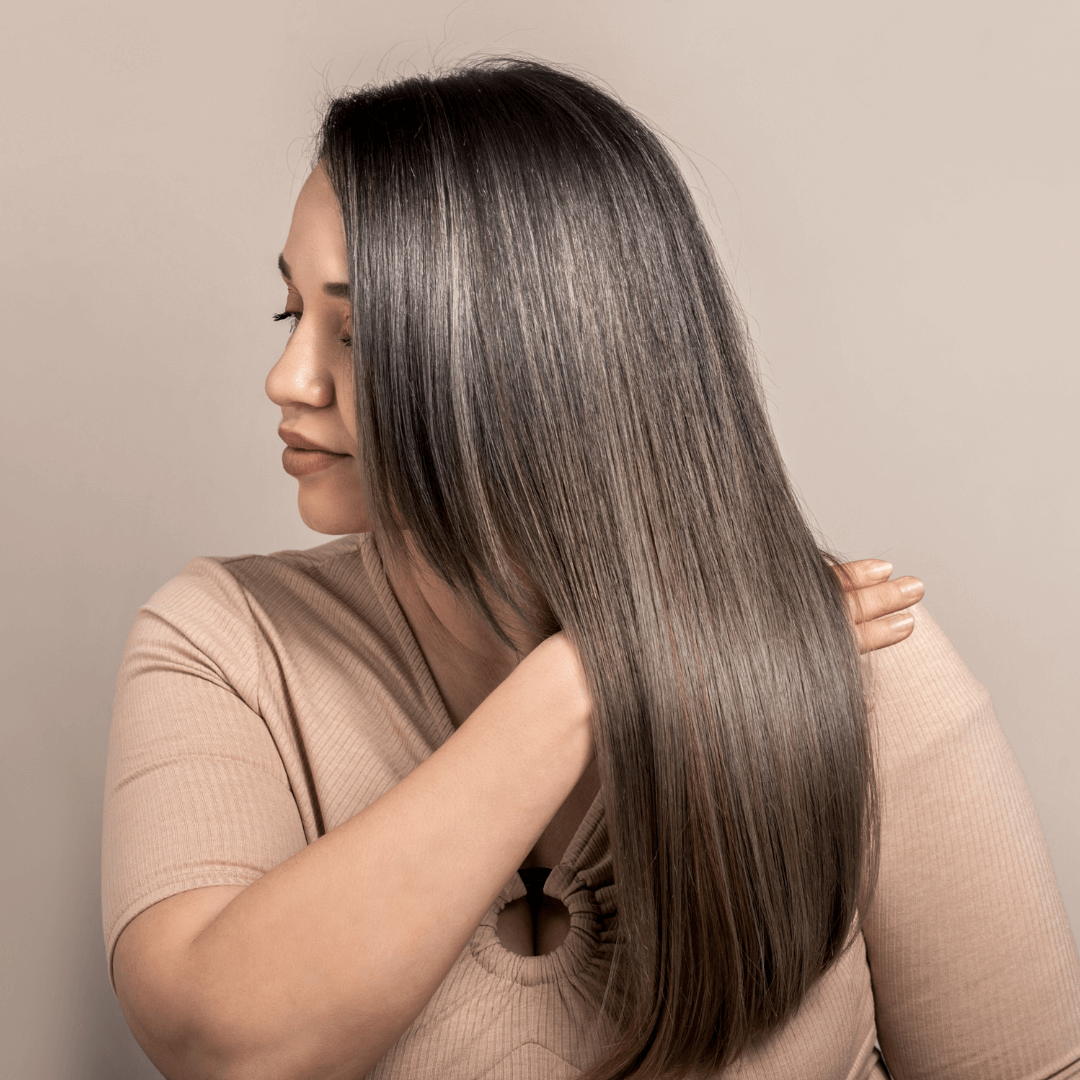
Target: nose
(299, 378)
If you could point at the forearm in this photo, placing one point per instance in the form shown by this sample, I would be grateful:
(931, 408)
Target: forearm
(318, 967)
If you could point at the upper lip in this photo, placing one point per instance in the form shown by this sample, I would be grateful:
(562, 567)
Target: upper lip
(299, 442)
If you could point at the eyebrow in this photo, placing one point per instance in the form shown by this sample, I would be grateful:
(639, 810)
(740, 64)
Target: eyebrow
(339, 289)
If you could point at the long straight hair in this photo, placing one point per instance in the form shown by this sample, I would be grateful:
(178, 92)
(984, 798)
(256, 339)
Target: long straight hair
(555, 399)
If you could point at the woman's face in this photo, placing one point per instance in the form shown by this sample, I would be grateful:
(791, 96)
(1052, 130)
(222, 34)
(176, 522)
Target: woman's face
(312, 382)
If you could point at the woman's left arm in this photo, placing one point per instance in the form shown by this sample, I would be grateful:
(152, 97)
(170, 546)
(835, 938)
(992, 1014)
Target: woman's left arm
(974, 971)
(876, 604)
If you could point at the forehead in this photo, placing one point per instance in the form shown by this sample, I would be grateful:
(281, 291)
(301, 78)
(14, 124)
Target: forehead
(316, 241)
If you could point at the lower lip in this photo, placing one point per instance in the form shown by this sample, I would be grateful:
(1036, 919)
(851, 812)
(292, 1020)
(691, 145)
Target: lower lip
(304, 462)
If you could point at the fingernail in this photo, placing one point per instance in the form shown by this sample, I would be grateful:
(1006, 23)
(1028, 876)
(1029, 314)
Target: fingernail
(880, 572)
(901, 622)
(912, 588)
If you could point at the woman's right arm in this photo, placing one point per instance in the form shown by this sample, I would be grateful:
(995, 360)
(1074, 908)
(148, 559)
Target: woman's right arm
(316, 968)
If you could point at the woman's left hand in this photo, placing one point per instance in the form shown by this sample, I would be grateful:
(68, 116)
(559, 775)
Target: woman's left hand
(873, 602)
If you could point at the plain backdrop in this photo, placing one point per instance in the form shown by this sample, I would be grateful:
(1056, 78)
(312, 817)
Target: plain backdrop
(893, 190)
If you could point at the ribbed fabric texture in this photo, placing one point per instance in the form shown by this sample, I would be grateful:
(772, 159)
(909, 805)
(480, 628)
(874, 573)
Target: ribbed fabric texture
(264, 700)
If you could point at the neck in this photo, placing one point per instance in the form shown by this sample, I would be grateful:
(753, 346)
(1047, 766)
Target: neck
(466, 658)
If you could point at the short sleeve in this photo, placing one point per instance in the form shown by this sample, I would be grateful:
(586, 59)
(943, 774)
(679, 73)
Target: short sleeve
(974, 971)
(196, 793)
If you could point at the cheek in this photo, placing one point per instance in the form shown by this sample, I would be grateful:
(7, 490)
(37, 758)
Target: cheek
(347, 399)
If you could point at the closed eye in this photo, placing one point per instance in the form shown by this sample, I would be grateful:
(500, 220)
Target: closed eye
(294, 315)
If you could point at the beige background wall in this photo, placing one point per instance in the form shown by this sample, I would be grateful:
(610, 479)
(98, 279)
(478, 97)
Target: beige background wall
(893, 187)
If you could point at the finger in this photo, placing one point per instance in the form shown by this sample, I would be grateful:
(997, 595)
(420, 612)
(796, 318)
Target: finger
(880, 633)
(862, 573)
(885, 598)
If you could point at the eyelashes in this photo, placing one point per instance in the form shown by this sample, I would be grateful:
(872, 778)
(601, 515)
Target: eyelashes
(281, 316)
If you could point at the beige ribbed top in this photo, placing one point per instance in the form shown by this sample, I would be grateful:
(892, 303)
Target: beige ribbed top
(264, 700)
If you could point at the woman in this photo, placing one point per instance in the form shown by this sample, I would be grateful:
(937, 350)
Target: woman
(565, 762)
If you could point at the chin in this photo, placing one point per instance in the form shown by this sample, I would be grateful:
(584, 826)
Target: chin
(333, 516)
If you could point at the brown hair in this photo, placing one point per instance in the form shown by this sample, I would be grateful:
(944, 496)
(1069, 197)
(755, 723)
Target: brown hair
(553, 383)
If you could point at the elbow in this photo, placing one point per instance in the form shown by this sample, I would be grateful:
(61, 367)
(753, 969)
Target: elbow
(185, 1046)
(231, 1041)
(199, 1055)
(177, 1054)
(188, 1051)
(213, 1051)
(195, 1025)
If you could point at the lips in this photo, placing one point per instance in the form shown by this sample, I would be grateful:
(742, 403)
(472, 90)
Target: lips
(301, 442)
(301, 456)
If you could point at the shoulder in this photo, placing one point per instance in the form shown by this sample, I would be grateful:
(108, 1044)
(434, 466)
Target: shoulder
(215, 588)
(208, 582)
(345, 550)
(923, 696)
(222, 612)
(923, 666)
